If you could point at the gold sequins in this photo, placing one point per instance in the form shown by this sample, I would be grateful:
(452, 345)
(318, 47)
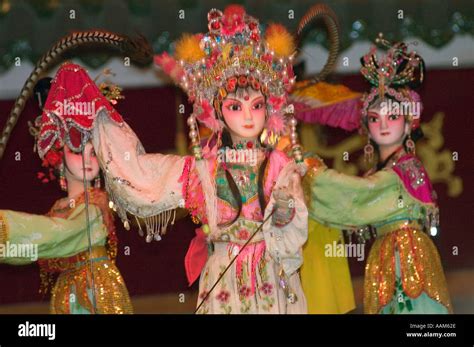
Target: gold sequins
(420, 268)
(111, 294)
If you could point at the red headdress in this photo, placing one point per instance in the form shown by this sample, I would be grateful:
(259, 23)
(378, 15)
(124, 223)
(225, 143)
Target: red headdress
(72, 104)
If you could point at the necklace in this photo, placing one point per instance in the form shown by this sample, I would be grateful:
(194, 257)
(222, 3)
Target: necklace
(246, 144)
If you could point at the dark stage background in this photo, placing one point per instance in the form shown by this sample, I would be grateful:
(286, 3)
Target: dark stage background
(159, 267)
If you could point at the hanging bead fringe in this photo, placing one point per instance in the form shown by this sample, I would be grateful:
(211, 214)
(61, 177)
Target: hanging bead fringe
(155, 226)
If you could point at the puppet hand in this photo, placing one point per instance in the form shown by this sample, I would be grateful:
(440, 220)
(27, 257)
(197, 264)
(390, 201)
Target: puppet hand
(284, 207)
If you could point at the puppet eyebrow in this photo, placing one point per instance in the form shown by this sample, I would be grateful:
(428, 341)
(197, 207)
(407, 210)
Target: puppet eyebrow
(231, 99)
(373, 114)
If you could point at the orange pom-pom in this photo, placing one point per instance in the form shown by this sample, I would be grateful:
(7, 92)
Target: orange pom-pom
(188, 49)
(280, 40)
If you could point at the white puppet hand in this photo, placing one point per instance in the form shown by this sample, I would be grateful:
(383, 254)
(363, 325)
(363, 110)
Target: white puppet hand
(284, 203)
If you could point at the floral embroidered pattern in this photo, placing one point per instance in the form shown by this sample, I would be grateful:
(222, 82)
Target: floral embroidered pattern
(267, 288)
(245, 296)
(266, 291)
(203, 295)
(243, 234)
(223, 296)
(245, 291)
(241, 230)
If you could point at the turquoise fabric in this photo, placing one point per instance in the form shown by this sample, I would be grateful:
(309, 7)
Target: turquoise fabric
(74, 306)
(403, 304)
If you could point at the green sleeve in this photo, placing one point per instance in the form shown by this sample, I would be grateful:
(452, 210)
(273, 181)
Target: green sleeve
(37, 236)
(343, 201)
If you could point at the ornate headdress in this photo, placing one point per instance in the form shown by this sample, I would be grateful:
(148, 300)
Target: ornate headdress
(73, 97)
(394, 75)
(233, 54)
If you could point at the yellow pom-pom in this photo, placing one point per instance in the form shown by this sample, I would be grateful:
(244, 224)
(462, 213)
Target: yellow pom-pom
(280, 40)
(188, 49)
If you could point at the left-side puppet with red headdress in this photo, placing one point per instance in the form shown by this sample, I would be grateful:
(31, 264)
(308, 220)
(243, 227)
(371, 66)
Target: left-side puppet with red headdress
(76, 241)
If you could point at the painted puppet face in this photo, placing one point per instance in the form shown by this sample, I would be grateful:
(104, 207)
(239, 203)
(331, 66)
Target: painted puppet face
(244, 113)
(384, 128)
(73, 163)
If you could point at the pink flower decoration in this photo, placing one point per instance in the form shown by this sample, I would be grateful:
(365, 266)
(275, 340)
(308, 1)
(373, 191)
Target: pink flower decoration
(267, 288)
(243, 234)
(223, 296)
(208, 118)
(233, 20)
(276, 102)
(170, 66)
(275, 123)
(245, 291)
(52, 159)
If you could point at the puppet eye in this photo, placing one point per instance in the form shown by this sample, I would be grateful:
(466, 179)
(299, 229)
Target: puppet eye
(393, 116)
(373, 119)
